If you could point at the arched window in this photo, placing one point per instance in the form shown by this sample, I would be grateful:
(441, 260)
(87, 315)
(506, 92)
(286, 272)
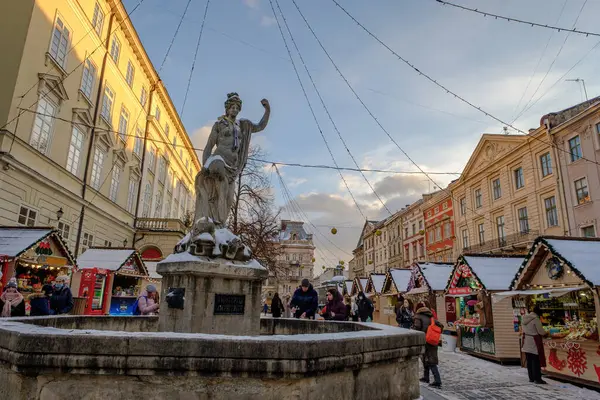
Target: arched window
(152, 253)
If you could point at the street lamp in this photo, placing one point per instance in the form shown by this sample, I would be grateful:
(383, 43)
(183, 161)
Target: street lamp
(59, 214)
(125, 242)
(583, 83)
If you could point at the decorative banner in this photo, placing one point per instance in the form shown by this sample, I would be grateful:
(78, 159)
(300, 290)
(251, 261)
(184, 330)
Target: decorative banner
(43, 248)
(465, 290)
(555, 362)
(577, 361)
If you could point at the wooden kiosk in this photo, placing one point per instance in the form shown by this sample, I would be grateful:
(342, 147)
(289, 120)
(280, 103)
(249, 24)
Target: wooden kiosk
(562, 275)
(484, 329)
(374, 289)
(428, 282)
(395, 283)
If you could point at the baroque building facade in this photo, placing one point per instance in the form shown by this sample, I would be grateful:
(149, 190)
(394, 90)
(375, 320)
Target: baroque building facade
(88, 128)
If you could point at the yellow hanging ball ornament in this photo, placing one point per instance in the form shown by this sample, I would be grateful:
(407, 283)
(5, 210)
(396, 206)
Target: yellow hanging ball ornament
(342, 262)
(333, 231)
(370, 261)
(378, 232)
(313, 259)
(323, 267)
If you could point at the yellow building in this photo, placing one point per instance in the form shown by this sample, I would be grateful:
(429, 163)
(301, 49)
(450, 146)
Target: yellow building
(88, 128)
(507, 195)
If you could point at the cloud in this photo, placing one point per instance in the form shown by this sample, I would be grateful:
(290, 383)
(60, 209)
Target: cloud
(251, 3)
(267, 20)
(296, 182)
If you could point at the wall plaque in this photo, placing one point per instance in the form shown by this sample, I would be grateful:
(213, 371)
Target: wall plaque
(229, 304)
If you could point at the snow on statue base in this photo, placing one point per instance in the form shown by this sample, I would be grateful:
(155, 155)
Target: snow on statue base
(220, 296)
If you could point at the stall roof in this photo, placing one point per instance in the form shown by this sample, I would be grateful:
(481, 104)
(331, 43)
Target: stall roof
(580, 254)
(108, 259)
(494, 272)
(151, 267)
(348, 286)
(400, 277)
(14, 241)
(436, 274)
(376, 282)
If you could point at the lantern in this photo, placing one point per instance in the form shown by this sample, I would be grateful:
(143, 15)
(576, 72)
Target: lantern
(333, 231)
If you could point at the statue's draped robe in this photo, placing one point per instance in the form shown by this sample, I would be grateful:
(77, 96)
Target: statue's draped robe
(214, 197)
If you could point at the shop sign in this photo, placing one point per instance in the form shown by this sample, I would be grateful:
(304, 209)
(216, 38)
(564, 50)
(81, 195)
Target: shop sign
(52, 261)
(229, 304)
(461, 290)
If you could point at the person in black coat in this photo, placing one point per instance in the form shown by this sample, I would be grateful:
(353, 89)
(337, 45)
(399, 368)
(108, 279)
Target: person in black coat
(61, 301)
(305, 301)
(40, 301)
(276, 306)
(365, 307)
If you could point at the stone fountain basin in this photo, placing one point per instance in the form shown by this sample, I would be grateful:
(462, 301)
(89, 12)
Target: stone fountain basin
(76, 357)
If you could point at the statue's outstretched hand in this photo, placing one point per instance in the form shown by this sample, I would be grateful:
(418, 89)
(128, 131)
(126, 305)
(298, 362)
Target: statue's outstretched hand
(265, 104)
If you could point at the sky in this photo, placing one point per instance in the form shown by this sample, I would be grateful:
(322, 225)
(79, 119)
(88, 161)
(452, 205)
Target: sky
(500, 66)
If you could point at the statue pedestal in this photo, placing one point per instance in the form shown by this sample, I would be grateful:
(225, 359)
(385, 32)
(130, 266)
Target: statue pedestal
(203, 295)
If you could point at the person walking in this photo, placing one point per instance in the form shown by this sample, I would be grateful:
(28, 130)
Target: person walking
(533, 347)
(12, 302)
(305, 301)
(422, 320)
(365, 307)
(404, 313)
(265, 308)
(61, 301)
(276, 306)
(335, 308)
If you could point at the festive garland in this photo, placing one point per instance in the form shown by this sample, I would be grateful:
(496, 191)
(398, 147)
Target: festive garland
(534, 247)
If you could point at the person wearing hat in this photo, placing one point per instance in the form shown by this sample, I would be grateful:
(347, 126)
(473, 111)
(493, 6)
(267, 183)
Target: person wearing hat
(39, 300)
(147, 302)
(11, 301)
(305, 301)
(61, 301)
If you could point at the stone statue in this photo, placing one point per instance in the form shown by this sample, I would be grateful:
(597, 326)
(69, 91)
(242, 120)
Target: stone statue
(224, 157)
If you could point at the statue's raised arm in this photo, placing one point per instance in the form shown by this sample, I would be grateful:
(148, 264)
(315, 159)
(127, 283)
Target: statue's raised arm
(224, 157)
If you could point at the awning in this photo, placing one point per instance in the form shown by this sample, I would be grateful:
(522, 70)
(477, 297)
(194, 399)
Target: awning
(151, 267)
(553, 292)
(120, 261)
(420, 290)
(461, 294)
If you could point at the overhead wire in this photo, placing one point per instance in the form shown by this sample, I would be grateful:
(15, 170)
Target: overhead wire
(516, 110)
(295, 213)
(59, 82)
(510, 19)
(187, 90)
(551, 65)
(304, 213)
(457, 96)
(313, 111)
(327, 110)
(133, 126)
(445, 190)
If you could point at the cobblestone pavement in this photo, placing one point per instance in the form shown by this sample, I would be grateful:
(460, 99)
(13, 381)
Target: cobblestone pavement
(468, 378)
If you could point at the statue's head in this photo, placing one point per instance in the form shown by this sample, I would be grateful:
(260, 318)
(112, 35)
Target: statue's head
(233, 105)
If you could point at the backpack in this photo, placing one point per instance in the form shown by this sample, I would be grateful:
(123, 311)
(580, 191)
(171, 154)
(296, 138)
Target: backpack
(136, 306)
(434, 333)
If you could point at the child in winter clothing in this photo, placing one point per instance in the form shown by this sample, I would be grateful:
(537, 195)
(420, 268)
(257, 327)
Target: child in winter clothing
(40, 301)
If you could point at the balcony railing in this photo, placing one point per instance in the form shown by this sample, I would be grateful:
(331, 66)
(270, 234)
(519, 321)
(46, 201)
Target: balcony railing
(160, 224)
(516, 241)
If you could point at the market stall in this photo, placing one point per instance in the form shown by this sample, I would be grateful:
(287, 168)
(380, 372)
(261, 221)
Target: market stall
(348, 287)
(427, 283)
(111, 279)
(358, 285)
(33, 256)
(561, 275)
(374, 289)
(484, 328)
(396, 282)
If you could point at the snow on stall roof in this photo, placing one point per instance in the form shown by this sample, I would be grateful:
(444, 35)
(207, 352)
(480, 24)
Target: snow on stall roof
(496, 273)
(349, 286)
(436, 274)
(338, 278)
(378, 280)
(109, 259)
(582, 254)
(401, 277)
(14, 241)
(363, 283)
(151, 267)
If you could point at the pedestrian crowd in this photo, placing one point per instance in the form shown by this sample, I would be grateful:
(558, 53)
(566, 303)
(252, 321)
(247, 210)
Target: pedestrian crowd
(46, 299)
